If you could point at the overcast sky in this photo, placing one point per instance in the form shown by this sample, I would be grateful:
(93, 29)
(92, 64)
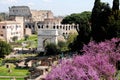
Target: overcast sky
(58, 7)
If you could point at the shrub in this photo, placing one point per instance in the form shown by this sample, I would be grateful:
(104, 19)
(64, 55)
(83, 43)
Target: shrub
(5, 49)
(108, 47)
(83, 68)
(52, 49)
(98, 62)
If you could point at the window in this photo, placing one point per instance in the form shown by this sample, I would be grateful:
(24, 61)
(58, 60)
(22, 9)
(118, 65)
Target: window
(1, 34)
(29, 26)
(72, 27)
(33, 26)
(75, 27)
(47, 26)
(38, 26)
(66, 27)
(60, 27)
(42, 27)
(3, 27)
(63, 34)
(69, 27)
(57, 27)
(25, 26)
(53, 27)
(63, 27)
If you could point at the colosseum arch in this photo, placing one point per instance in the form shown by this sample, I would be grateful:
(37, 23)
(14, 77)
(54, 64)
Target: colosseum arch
(44, 35)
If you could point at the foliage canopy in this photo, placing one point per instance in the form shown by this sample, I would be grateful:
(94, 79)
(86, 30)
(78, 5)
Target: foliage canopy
(5, 49)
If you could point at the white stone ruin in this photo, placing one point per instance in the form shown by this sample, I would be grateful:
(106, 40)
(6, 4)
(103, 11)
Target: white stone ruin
(46, 36)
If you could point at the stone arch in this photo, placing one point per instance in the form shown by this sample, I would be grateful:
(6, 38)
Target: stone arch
(44, 35)
(45, 42)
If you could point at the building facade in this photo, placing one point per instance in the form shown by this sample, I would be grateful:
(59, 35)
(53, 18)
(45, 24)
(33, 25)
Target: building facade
(23, 11)
(41, 15)
(55, 20)
(10, 30)
(63, 29)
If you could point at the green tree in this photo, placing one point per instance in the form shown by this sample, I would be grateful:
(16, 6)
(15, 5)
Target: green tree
(82, 19)
(62, 46)
(73, 18)
(15, 38)
(105, 21)
(26, 37)
(82, 38)
(114, 27)
(94, 19)
(99, 19)
(5, 49)
(115, 10)
(114, 21)
(115, 5)
(76, 17)
(95, 12)
(52, 49)
(71, 38)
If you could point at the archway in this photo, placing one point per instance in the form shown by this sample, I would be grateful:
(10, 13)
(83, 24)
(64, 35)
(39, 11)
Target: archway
(46, 35)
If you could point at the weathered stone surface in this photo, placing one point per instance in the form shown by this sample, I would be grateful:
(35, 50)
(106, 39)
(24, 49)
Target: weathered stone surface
(46, 36)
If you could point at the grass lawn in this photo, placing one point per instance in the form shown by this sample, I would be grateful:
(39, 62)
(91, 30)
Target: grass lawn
(10, 79)
(14, 72)
(32, 39)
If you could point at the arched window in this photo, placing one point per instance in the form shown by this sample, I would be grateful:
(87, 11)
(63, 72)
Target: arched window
(57, 27)
(38, 26)
(72, 27)
(53, 27)
(25, 26)
(75, 27)
(42, 26)
(63, 27)
(47, 26)
(63, 34)
(66, 28)
(60, 27)
(69, 27)
(29, 26)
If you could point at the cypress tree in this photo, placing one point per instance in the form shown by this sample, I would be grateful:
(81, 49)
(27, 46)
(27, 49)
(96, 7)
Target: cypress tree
(94, 19)
(99, 20)
(114, 21)
(115, 5)
(95, 11)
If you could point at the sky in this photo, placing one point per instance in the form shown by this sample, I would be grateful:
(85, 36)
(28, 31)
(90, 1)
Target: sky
(58, 7)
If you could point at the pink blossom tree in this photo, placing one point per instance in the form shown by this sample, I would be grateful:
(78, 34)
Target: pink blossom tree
(97, 63)
(108, 47)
